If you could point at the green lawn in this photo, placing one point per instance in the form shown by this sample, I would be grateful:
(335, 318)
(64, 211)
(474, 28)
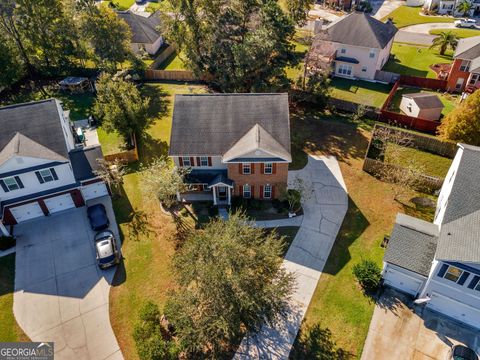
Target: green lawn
(431, 164)
(173, 62)
(123, 4)
(450, 101)
(338, 302)
(9, 330)
(461, 33)
(406, 15)
(360, 92)
(415, 60)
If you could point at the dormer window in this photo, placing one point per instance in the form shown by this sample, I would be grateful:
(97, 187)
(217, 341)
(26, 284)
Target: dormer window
(246, 169)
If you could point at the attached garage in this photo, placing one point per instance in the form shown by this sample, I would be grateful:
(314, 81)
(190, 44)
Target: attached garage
(27, 212)
(454, 309)
(59, 203)
(94, 190)
(397, 279)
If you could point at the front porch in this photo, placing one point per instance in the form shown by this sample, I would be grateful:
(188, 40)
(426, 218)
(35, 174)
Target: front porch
(209, 185)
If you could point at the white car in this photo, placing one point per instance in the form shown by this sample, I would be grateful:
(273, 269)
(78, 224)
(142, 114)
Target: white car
(106, 249)
(466, 23)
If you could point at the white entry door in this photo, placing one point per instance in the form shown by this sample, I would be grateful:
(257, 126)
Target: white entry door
(59, 203)
(26, 212)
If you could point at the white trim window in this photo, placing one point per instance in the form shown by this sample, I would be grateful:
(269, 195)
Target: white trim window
(186, 161)
(364, 69)
(344, 69)
(453, 274)
(46, 175)
(267, 191)
(246, 169)
(477, 287)
(343, 51)
(11, 183)
(465, 65)
(203, 160)
(247, 191)
(371, 55)
(268, 168)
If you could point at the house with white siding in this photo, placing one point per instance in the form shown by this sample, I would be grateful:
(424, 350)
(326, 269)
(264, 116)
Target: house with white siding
(439, 262)
(42, 168)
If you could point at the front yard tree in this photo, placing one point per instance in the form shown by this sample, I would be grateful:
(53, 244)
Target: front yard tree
(298, 10)
(163, 181)
(244, 46)
(463, 123)
(230, 281)
(10, 63)
(465, 7)
(121, 107)
(445, 40)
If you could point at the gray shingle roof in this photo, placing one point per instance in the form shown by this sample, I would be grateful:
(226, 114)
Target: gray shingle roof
(210, 124)
(425, 100)
(412, 244)
(39, 122)
(84, 162)
(144, 29)
(468, 48)
(360, 29)
(460, 231)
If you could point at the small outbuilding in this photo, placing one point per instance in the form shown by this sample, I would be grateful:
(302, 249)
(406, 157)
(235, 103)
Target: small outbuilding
(422, 105)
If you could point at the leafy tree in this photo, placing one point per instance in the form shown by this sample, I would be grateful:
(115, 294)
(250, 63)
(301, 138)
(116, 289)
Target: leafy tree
(465, 7)
(111, 172)
(463, 123)
(297, 193)
(445, 40)
(10, 63)
(298, 10)
(121, 107)
(230, 280)
(315, 89)
(163, 182)
(242, 45)
(368, 274)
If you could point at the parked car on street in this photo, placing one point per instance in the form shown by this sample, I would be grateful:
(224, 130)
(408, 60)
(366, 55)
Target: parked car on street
(106, 249)
(466, 23)
(461, 352)
(97, 215)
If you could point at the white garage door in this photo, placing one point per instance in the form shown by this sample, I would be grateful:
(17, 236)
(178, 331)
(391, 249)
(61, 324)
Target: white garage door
(454, 309)
(27, 212)
(59, 203)
(402, 282)
(94, 190)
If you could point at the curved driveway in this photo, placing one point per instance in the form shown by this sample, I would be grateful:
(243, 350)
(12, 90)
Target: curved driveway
(323, 215)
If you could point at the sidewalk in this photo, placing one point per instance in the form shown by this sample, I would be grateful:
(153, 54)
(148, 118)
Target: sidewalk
(323, 215)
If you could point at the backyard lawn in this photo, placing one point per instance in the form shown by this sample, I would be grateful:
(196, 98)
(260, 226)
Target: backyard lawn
(338, 302)
(9, 330)
(361, 92)
(406, 15)
(173, 62)
(415, 60)
(461, 33)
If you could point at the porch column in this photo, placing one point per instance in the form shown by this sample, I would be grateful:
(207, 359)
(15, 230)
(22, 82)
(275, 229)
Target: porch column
(214, 195)
(4, 230)
(178, 196)
(229, 192)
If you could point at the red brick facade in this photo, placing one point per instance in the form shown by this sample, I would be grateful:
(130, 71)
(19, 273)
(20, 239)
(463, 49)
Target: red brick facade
(257, 179)
(455, 74)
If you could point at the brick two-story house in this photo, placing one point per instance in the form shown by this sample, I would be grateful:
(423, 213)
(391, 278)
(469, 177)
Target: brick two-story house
(235, 145)
(464, 74)
(42, 169)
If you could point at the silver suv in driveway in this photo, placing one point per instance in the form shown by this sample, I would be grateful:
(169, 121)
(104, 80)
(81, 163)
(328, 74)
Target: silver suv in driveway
(106, 249)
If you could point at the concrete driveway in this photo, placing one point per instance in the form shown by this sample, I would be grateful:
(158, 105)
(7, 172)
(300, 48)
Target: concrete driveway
(406, 332)
(60, 293)
(324, 211)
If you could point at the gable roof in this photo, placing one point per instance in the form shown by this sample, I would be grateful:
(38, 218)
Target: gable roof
(468, 48)
(425, 100)
(412, 244)
(144, 29)
(460, 230)
(359, 29)
(39, 122)
(211, 124)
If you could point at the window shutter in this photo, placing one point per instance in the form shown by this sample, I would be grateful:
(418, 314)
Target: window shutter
(4, 186)
(463, 278)
(19, 182)
(273, 192)
(274, 168)
(443, 270)
(474, 282)
(54, 174)
(240, 190)
(192, 161)
(252, 191)
(240, 168)
(261, 191)
(209, 161)
(180, 160)
(262, 168)
(39, 177)
(252, 168)
(198, 161)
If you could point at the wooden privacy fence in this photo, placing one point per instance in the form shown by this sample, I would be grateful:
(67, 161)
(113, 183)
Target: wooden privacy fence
(434, 84)
(127, 156)
(164, 55)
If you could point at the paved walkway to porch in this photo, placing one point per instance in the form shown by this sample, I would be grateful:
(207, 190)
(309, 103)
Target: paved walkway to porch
(295, 221)
(323, 215)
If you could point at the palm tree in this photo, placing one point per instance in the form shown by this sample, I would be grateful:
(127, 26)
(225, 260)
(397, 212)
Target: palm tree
(444, 40)
(464, 7)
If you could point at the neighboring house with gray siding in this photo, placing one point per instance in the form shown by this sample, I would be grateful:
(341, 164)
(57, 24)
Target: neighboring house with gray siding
(439, 262)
